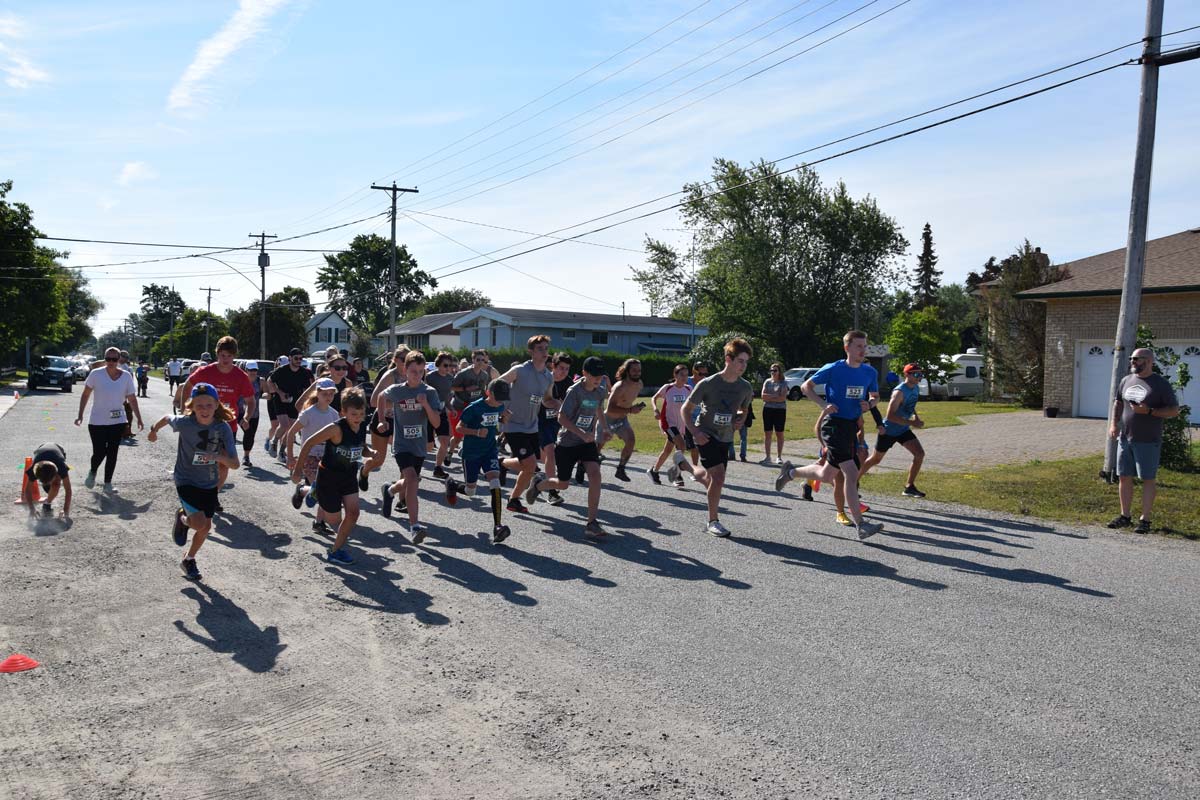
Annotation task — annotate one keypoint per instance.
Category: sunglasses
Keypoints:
(342, 368)
(774, 370)
(112, 358)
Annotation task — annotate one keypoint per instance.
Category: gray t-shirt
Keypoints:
(773, 387)
(583, 409)
(409, 418)
(1156, 392)
(473, 382)
(195, 462)
(719, 401)
(527, 392)
(441, 384)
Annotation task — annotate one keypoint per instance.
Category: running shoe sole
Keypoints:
(500, 534)
(386, 499)
(655, 476)
(784, 476)
(179, 529)
(298, 497)
(190, 570)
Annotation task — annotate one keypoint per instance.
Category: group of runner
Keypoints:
(554, 424)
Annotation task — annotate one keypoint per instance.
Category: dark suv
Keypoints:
(53, 371)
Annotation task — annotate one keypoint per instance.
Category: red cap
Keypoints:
(911, 368)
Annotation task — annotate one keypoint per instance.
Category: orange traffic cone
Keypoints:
(37, 495)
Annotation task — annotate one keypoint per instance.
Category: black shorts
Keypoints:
(689, 442)
(406, 460)
(194, 499)
(566, 457)
(443, 427)
(272, 407)
(714, 454)
(388, 423)
(884, 442)
(773, 419)
(288, 410)
(841, 439)
(332, 486)
(523, 445)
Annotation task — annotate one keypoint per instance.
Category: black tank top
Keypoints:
(337, 397)
(345, 457)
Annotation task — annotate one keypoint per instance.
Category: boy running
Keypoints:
(206, 447)
(670, 418)
(317, 415)
(413, 406)
(477, 427)
(530, 382)
(548, 426)
(621, 403)
(897, 428)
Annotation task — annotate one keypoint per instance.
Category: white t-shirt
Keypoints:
(174, 368)
(108, 396)
(311, 420)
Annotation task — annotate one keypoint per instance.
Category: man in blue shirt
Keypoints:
(851, 388)
(897, 428)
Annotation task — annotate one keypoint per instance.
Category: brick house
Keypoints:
(1081, 320)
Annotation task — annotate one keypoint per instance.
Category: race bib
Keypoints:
(855, 392)
(535, 399)
(490, 420)
(202, 459)
(722, 419)
(115, 414)
(551, 413)
(585, 422)
(414, 431)
(1136, 394)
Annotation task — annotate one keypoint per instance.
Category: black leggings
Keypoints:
(248, 434)
(106, 441)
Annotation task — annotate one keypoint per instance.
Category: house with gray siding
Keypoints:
(510, 328)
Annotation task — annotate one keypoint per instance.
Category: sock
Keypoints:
(496, 506)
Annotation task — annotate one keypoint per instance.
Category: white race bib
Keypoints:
(722, 419)
(490, 420)
(115, 414)
(535, 399)
(551, 413)
(585, 422)
(855, 392)
(202, 459)
(414, 431)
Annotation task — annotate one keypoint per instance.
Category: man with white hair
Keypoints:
(1144, 399)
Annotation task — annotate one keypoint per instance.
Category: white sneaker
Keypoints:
(717, 529)
(868, 529)
(785, 475)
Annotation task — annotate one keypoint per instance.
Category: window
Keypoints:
(492, 337)
(1096, 351)
(568, 335)
(972, 372)
(1192, 351)
(600, 337)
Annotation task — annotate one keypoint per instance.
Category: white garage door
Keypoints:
(1094, 371)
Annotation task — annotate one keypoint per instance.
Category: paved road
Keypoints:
(955, 656)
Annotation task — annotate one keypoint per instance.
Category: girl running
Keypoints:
(317, 415)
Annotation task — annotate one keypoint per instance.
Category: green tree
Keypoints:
(33, 286)
(356, 282)
(81, 306)
(287, 312)
(780, 257)
(711, 351)
(958, 308)
(927, 277)
(187, 339)
(923, 337)
(161, 307)
(448, 300)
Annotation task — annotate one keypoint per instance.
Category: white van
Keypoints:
(967, 378)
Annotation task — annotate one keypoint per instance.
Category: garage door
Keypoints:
(1094, 367)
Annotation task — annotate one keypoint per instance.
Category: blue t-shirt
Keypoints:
(847, 386)
(480, 415)
(195, 461)
(908, 407)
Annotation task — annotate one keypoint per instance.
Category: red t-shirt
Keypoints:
(230, 386)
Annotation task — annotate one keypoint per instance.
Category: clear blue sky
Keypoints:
(199, 122)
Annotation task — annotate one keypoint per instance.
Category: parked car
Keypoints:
(80, 369)
(966, 380)
(797, 376)
(53, 371)
(265, 366)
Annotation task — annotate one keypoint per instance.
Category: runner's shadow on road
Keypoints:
(230, 630)
(665, 563)
(1015, 575)
(369, 578)
(543, 566)
(918, 518)
(257, 473)
(1016, 525)
(945, 529)
(473, 577)
(240, 534)
(124, 508)
(837, 565)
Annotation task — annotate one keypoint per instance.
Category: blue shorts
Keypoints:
(548, 432)
(1138, 458)
(485, 463)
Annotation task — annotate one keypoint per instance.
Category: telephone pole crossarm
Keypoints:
(393, 190)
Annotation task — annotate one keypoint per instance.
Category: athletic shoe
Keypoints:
(554, 498)
(515, 506)
(673, 475)
(743, 458)
(179, 529)
(386, 499)
(806, 492)
(402, 505)
(1120, 521)
(1143, 526)
(190, 570)
(90, 480)
(339, 556)
(363, 481)
(620, 474)
(717, 529)
(108, 489)
(321, 528)
(912, 491)
(246, 461)
(868, 529)
(815, 484)
(267, 447)
(655, 476)
(418, 531)
(784, 476)
(500, 533)
(844, 520)
(594, 532)
(310, 497)
(298, 497)
(695, 478)
(440, 473)
(678, 483)
(863, 508)
(451, 492)
(531, 494)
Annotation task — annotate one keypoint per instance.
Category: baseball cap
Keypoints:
(205, 388)
(912, 368)
(295, 351)
(250, 365)
(325, 383)
(593, 365)
(206, 356)
(500, 390)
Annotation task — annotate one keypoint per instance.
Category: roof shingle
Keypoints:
(1172, 265)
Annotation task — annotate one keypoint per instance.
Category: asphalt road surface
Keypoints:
(959, 654)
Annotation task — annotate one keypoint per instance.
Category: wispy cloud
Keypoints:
(246, 23)
(19, 72)
(135, 171)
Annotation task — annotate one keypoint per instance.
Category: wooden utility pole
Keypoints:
(207, 318)
(264, 261)
(393, 190)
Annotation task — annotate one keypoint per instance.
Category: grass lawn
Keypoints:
(1064, 491)
(20, 377)
(801, 417)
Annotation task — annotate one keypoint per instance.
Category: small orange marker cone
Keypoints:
(17, 663)
(37, 495)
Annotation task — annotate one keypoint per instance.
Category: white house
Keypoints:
(326, 328)
(510, 328)
(429, 333)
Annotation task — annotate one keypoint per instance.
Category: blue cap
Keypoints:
(205, 388)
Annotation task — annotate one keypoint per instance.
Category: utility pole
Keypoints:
(264, 261)
(393, 190)
(206, 319)
(1139, 211)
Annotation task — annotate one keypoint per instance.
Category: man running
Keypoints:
(622, 402)
(851, 388)
(287, 383)
(529, 381)
(669, 415)
(897, 428)
(441, 379)
(413, 405)
(721, 400)
(381, 426)
(233, 389)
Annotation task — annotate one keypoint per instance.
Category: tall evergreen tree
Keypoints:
(928, 277)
